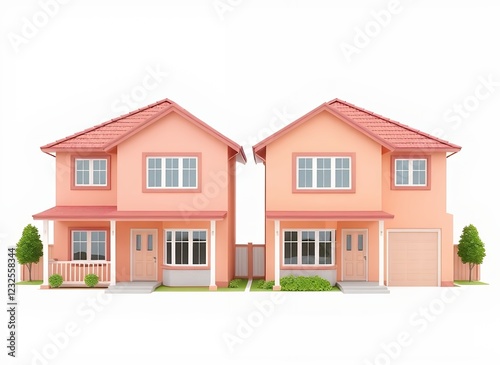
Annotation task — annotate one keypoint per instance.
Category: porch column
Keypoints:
(112, 244)
(213, 243)
(277, 285)
(381, 250)
(45, 240)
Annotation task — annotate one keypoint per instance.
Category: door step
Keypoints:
(362, 287)
(135, 287)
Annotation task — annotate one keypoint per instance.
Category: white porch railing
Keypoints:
(73, 272)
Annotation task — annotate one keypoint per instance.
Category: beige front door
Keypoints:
(144, 256)
(354, 255)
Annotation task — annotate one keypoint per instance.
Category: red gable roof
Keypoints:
(392, 135)
(106, 136)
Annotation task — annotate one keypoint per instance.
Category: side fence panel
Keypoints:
(461, 270)
(250, 261)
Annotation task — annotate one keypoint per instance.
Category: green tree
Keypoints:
(470, 248)
(29, 249)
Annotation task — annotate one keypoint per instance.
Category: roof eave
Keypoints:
(430, 149)
(259, 146)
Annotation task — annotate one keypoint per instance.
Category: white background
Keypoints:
(248, 68)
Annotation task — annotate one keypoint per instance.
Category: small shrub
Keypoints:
(304, 283)
(91, 280)
(55, 280)
(258, 283)
(268, 285)
(235, 283)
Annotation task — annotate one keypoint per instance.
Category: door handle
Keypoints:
(155, 259)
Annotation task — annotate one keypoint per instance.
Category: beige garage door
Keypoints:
(413, 258)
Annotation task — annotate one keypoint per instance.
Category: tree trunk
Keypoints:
(29, 270)
(471, 266)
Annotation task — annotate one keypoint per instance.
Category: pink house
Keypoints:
(146, 197)
(353, 196)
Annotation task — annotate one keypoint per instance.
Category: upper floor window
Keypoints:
(172, 172)
(410, 172)
(324, 173)
(91, 172)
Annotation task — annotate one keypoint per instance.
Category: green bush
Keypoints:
(91, 280)
(55, 280)
(268, 284)
(235, 283)
(262, 284)
(259, 283)
(304, 283)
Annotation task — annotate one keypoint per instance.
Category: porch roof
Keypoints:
(365, 215)
(100, 213)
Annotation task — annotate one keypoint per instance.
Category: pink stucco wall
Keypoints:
(323, 133)
(66, 194)
(172, 135)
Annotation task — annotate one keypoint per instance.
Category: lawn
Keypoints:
(240, 283)
(33, 282)
(467, 282)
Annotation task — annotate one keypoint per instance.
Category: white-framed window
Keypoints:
(324, 172)
(410, 172)
(88, 245)
(172, 172)
(91, 172)
(186, 247)
(308, 247)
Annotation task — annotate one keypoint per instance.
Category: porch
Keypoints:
(339, 246)
(124, 246)
(74, 272)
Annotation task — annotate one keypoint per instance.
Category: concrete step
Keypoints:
(366, 291)
(132, 288)
(362, 288)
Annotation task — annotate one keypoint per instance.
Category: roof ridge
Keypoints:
(418, 131)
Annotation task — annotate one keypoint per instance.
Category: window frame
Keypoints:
(317, 242)
(89, 231)
(174, 189)
(315, 156)
(410, 186)
(91, 185)
(190, 264)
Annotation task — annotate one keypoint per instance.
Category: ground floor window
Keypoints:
(186, 247)
(88, 245)
(309, 247)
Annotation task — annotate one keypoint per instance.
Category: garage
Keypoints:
(413, 258)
